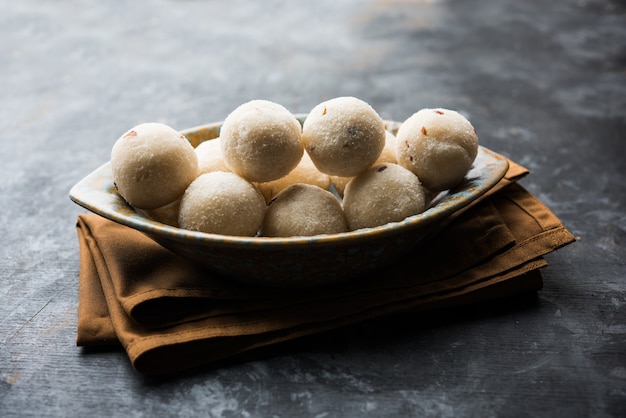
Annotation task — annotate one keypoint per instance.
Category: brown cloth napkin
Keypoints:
(170, 316)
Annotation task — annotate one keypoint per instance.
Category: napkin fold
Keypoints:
(170, 315)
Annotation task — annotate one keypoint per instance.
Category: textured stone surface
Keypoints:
(543, 83)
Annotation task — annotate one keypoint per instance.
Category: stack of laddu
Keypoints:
(268, 175)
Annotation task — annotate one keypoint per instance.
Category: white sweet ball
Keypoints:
(210, 157)
(152, 164)
(303, 210)
(222, 203)
(438, 145)
(344, 136)
(383, 193)
(261, 141)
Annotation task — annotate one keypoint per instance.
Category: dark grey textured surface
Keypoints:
(543, 82)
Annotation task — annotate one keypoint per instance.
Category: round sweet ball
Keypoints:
(384, 193)
(261, 141)
(210, 157)
(438, 145)
(305, 172)
(344, 136)
(388, 154)
(222, 203)
(303, 210)
(152, 164)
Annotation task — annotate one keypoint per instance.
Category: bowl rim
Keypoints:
(96, 193)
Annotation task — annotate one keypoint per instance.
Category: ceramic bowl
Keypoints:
(293, 261)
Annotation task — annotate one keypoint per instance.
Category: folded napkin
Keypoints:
(170, 315)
